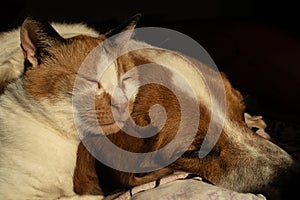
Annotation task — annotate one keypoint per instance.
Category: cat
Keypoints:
(38, 138)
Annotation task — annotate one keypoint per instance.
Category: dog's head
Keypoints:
(240, 160)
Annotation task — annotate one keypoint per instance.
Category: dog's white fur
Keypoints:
(28, 137)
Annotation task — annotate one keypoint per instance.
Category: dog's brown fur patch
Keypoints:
(85, 178)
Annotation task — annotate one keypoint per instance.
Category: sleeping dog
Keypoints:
(240, 160)
(39, 140)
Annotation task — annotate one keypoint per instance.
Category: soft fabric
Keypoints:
(181, 186)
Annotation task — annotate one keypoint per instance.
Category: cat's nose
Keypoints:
(120, 106)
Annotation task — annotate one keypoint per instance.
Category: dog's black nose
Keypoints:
(285, 186)
(290, 185)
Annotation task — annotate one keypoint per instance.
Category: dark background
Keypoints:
(283, 13)
(256, 43)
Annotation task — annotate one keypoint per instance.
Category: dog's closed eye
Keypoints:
(195, 153)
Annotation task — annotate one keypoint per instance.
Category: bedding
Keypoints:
(181, 186)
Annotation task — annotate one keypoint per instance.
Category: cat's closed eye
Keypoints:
(127, 78)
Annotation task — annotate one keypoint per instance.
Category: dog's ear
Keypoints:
(123, 32)
(36, 37)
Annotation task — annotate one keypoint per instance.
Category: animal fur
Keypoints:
(37, 136)
(39, 140)
(241, 160)
(11, 56)
(39, 151)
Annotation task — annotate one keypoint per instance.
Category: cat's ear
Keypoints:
(36, 37)
(123, 32)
